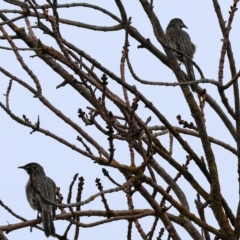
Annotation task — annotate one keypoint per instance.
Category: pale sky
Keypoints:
(18, 147)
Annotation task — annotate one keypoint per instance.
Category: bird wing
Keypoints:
(186, 46)
(32, 197)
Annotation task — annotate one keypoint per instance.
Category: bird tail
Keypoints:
(190, 73)
(48, 225)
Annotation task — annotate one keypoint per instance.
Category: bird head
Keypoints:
(33, 168)
(176, 23)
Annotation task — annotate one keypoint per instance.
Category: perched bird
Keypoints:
(39, 182)
(180, 40)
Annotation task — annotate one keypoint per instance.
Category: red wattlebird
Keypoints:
(180, 40)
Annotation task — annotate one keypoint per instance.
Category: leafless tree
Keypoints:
(118, 119)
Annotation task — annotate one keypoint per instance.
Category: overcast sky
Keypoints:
(18, 147)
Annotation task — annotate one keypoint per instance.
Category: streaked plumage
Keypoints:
(180, 40)
(46, 186)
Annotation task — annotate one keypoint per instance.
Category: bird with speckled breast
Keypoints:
(39, 183)
(180, 39)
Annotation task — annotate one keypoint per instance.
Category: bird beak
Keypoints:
(184, 26)
(23, 167)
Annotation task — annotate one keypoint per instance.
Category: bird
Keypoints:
(181, 40)
(39, 183)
